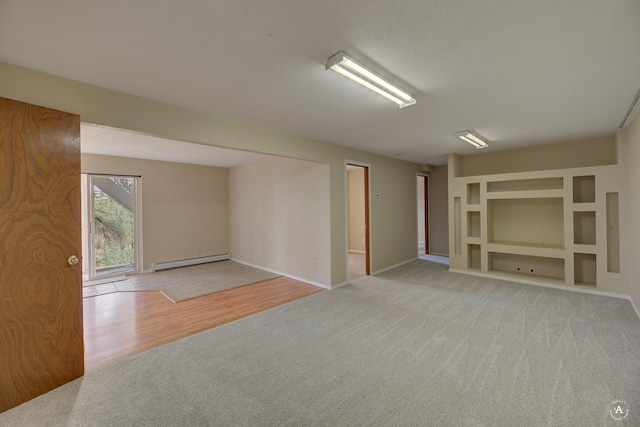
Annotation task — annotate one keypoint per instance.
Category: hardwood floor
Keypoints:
(122, 323)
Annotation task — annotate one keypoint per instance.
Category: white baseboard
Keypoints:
(352, 251)
(339, 285)
(290, 276)
(438, 254)
(157, 266)
(635, 308)
(543, 284)
(391, 267)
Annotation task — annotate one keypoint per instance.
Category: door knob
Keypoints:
(73, 260)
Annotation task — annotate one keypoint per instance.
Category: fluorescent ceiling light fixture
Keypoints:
(472, 139)
(348, 67)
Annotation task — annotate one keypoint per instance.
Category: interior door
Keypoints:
(41, 341)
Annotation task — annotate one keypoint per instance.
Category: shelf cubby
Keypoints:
(532, 267)
(474, 254)
(584, 228)
(473, 224)
(584, 266)
(473, 194)
(525, 185)
(584, 189)
(538, 222)
(457, 234)
(613, 233)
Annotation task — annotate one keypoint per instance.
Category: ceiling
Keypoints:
(116, 142)
(518, 72)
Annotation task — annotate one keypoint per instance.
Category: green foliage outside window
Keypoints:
(114, 233)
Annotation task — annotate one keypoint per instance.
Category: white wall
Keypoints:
(280, 217)
(633, 159)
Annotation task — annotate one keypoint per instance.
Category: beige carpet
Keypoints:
(181, 284)
(415, 346)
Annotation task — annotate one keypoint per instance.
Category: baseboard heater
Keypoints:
(157, 266)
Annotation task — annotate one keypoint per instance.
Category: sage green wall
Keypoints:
(393, 214)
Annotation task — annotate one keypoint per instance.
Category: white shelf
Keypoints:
(474, 241)
(585, 249)
(549, 183)
(530, 194)
(583, 207)
(523, 248)
(530, 266)
(528, 277)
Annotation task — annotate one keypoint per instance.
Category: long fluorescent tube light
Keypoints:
(472, 139)
(348, 67)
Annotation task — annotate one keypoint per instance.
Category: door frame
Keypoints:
(367, 213)
(90, 230)
(425, 178)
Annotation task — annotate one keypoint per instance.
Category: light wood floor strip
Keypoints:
(122, 323)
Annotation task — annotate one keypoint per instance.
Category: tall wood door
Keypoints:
(41, 341)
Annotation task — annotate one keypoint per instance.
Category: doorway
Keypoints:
(111, 223)
(423, 214)
(358, 237)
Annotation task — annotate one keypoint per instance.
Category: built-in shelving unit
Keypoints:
(558, 227)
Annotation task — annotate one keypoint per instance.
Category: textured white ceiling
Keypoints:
(518, 72)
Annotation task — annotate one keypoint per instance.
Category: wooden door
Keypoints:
(41, 342)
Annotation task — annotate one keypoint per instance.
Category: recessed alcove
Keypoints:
(473, 194)
(473, 224)
(541, 268)
(584, 266)
(532, 222)
(584, 228)
(584, 189)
